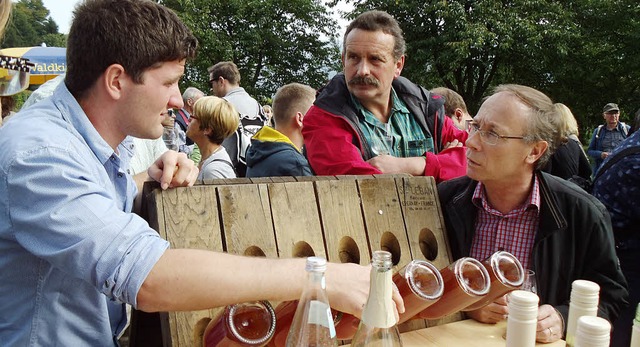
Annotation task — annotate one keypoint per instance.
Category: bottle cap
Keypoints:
(585, 292)
(523, 305)
(592, 331)
(316, 264)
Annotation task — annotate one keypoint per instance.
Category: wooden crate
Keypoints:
(342, 218)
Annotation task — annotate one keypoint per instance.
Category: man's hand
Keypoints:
(452, 144)
(173, 169)
(390, 165)
(604, 155)
(493, 313)
(550, 325)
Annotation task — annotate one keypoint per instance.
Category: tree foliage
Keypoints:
(580, 52)
(273, 42)
(31, 25)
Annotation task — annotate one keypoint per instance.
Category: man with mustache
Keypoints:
(369, 120)
(506, 203)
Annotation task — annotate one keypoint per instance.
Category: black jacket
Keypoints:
(574, 241)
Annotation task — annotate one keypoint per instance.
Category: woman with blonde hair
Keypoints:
(569, 160)
(213, 120)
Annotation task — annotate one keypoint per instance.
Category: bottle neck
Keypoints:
(379, 310)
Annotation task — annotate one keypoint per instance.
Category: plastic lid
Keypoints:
(592, 331)
(316, 264)
(583, 291)
(523, 304)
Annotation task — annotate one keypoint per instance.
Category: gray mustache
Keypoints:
(364, 80)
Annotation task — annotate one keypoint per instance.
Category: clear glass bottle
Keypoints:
(635, 330)
(583, 302)
(466, 281)
(378, 326)
(312, 324)
(506, 273)
(247, 324)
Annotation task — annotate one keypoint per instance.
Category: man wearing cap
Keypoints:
(607, 136)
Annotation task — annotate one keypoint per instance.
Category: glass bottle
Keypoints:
(593, 332)
(420, 285)
(522, 320)
(246, 324)
(312, 324)
(466, 281)
(582, 302)
(506, 274)
(378, 326)
(635, 330)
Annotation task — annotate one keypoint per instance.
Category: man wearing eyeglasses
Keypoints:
(369, 120)
(505, 203)
(606, 137)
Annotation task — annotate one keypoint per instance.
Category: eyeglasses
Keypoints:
(214, 80)
(488, 137)
(14, 74)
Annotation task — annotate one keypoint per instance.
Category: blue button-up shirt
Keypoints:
(71, 253)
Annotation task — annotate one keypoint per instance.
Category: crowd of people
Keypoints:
(73, 253)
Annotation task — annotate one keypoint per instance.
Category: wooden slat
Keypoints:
(425, 228)
(296, 220)
(342, 221)
(246, 218)
(191, 221)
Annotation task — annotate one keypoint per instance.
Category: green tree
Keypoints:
(273, 42)
(31, 25)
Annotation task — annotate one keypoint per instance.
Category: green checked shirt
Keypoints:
(401, 137)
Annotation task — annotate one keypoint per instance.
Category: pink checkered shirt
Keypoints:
(513, 232)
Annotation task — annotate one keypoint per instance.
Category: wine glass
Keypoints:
(530, 284)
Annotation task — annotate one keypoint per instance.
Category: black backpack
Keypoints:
(238, 143)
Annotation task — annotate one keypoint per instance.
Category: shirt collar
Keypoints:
(71, 112)
(479, 198)
(396, 104)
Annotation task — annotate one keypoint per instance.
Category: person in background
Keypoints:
(607, 136)
(72, 252)
(454, 106)
(369, 120)
(618, 188)
(505, 203)
(268, 113)
(278, 152)
(182, 119)
(213, 120)
(569, 159)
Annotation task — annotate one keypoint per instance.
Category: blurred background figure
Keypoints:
(213, 120)
(454, 106)
(569, 159)
(268, 112)
(607, 136)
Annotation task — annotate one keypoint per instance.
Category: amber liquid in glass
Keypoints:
(250, 324)
(465, 282)
(506, 274)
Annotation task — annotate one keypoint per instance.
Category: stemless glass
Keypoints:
(530, 284)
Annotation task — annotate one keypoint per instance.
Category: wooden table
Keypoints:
(463, 333)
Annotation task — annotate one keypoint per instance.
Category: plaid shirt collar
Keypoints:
(479, 199)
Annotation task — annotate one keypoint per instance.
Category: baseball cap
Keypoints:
(610, 107)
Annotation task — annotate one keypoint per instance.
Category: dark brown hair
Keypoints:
(375, 21)
(137, 34)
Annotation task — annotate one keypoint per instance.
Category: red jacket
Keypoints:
(335, 146)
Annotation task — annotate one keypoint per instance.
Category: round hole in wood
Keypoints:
(348, 251)
(254, 251)
(428, 244)
(302, 250)
(389, 242)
